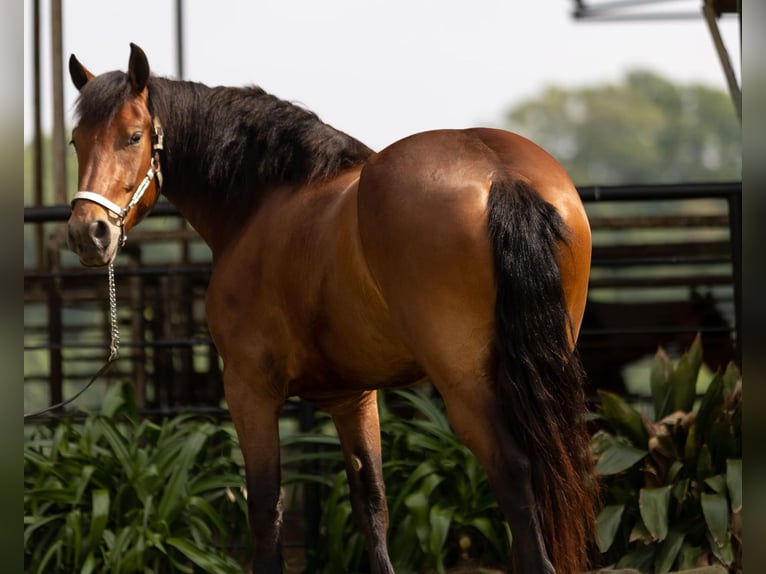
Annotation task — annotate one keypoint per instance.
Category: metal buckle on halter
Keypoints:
(159, 134)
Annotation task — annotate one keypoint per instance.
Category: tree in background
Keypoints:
(645, 129)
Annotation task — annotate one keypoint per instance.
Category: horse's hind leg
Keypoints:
(356, 419)
(478, 421)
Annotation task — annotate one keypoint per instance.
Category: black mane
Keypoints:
(226, 141)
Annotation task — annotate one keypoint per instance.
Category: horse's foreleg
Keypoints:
(359, 430)
(479, 423)
(257, 423)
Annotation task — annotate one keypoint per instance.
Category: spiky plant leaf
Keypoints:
(607, 525)
(623, 417)
(668, 551)
(654, 503)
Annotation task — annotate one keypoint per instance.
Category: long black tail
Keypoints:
(539, 377)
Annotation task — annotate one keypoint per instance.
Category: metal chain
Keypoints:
(114, 347)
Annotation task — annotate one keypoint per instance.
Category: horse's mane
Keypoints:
(228, 141)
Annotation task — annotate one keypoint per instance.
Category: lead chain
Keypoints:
(114, 347)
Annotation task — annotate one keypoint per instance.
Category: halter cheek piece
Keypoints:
(153, 172)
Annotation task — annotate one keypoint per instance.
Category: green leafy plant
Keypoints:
(117, 494)
(672, 486)
(441, 508)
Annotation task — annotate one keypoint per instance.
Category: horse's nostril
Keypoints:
(99, 232)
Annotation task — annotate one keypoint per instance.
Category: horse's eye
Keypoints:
(135, 138)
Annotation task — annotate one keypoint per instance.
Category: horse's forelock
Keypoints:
(101, 97)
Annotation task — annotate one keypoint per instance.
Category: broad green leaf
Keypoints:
(715, 508)
(668, 551)
(725, 552)
(418, 505)
(35, 523)
(89, 566)
(710, 407)
(486, 528)
(100, 514)
(118, 444)
(653, 504)
(639, 532)
(607, 525)
(75, 542)
(734, 483)
(84, 480)
(440, 519)
(641, 559)
(688, 556)
(176, 490)
(730, 379)
(113, 400)
(717, 483)
(617, 456)
(54, 552)
(623, 417)
(423, 470)
(659, 380)
(683, 385)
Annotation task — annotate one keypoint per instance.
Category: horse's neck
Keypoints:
(192, 156)
(225, 148)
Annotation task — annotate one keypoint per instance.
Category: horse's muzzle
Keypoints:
(95, 240)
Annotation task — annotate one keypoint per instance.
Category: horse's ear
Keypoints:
(79, 73)
(138, 69)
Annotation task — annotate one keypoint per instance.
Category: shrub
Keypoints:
(115, 494)
(672, 486)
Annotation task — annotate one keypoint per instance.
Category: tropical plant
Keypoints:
(672, 486)
(117, 494)
(440, 504)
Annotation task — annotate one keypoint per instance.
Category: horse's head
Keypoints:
(117, 143)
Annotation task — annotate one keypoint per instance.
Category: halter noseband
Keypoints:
(153, 172)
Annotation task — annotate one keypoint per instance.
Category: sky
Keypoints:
(381, 70)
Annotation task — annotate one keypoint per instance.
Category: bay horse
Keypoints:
(458, 255)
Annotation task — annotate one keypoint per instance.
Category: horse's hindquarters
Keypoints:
(422, 221)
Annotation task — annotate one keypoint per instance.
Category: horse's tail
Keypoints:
(539, 378)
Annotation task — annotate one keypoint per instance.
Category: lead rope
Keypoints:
(114, 348)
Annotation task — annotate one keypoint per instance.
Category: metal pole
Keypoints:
(180, 39)
(37, 144)
(59, 138)
(723, 56)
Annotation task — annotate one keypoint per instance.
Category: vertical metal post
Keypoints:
(180, 39)
(59, 138)
(37, 144)
(55, 325)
